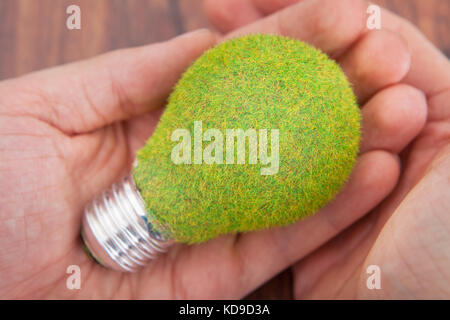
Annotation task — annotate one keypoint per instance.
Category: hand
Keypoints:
(407, 235)
(69, 132)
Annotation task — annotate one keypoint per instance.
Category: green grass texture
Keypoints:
(252, 82)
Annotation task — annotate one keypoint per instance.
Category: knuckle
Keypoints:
(218, 12)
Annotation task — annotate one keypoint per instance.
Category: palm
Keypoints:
(44, 241)
(44, 238)
(37, 232)
(410, 250)
(58, 151)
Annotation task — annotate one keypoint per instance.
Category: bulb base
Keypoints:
(116, 229)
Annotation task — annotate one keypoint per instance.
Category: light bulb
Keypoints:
(260, 131)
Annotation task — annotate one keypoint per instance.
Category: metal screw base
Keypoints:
(116, 230)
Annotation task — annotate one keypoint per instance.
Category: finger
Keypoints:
(88, 95)
(100, 158)
(227, 15)
(430, 69)
(393, 118)
(329, 271)
(265, 253)
(329, 25)
(270, 6)
(439, 106)
(378, 59)
(140, 128)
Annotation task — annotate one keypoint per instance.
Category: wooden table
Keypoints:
(33, 35)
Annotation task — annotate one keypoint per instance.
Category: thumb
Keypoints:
(87, 95)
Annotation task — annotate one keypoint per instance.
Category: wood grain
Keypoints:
(33, 35)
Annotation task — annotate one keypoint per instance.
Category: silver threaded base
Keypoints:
(116, 230)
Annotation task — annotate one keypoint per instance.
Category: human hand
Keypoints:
(66, 134)
(69, 132)
(407, 235)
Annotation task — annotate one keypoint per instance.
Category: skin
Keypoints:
(407, 235)
(69, 132)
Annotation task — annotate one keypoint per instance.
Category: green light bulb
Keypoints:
(260, 131)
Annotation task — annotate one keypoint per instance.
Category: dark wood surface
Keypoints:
(33, 35)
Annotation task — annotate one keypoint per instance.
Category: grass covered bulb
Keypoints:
(253, 83)
(260, 131)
